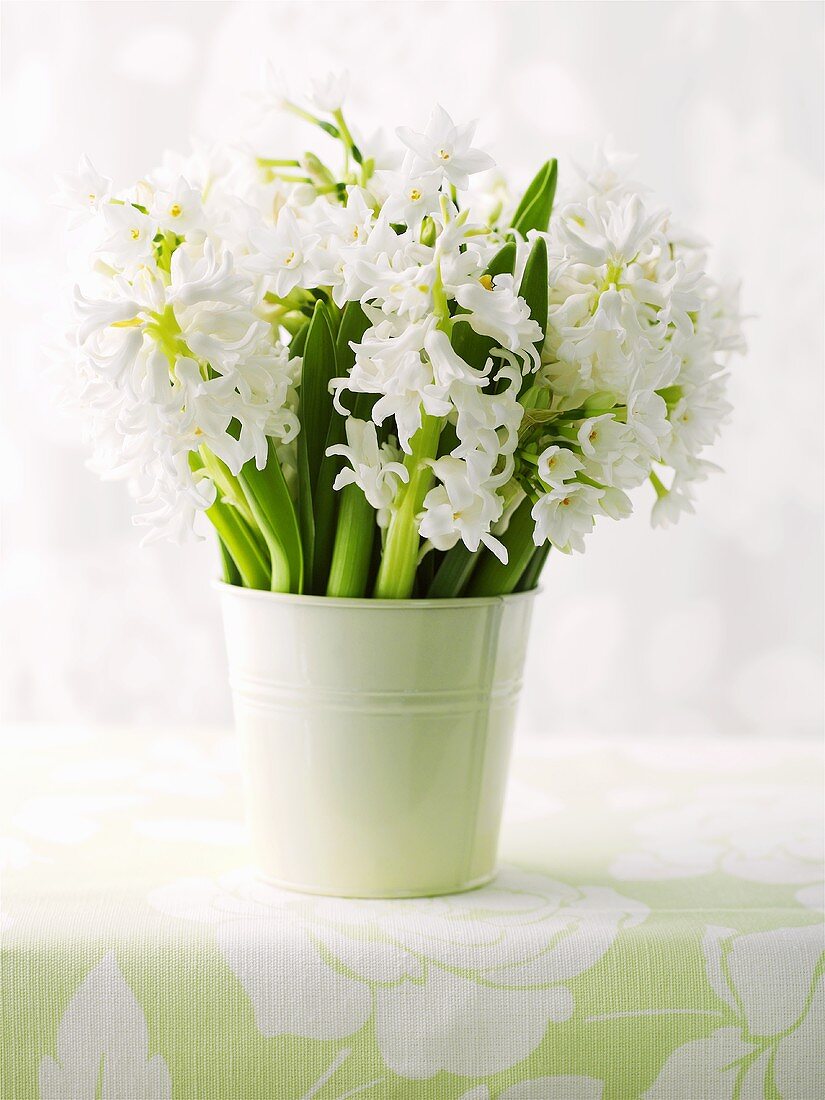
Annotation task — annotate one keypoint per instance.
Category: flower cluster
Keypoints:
(381, 331)
(175, 355)
(633, 363)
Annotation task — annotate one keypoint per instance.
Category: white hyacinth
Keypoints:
(462, 403)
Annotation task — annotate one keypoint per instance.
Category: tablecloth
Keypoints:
(655, 932)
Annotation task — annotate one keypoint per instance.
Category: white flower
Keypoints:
(448, 367)
(564, 516)
(609, 233)
(486, 422)
(615, 503)
(177, 333)
(83, 192)
(446, 148)
(461, 508)
(497, 311)
(329, 93)
(95, 314)
(696, 420)
(349, 224)
(169, 361)
(647, 421)
(377, 471)
(608, 175)
(179, 209)
(203, 276)
(558, 465)
(343, 231)
(130, 236)
(394, 270)
(671, 505)
(612, 454)
(392, 366)
(282, 253)
(409, 199)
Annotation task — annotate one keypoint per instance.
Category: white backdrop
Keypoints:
(715, 625)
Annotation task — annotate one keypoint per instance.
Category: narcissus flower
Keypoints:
(83, 192)
(446, 148)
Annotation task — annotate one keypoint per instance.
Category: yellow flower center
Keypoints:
(289, 258)
(486, 281)
(566, 502)
(415, 195)
(356, 232)
(175, 210)
(443, 154)
(135, 234)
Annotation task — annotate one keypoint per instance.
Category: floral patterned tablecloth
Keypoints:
(655, 932)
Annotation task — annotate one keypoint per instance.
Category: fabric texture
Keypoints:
(655, 932)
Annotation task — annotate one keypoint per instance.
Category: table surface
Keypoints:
(655, 932)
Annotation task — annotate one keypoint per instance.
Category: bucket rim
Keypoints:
(234, 591)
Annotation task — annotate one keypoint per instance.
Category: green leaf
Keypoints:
(268, 497)
(534, 286)
(454, 573)
(354, 537)
(318, 370)
(491, 577)
(316, 412)
(344, 524)
(536, 206)
(298, 342)
(354, 323)
(230, 571)
(241, 545)
(531, 575)
(504, 261)
(326, 501)
(242, 554)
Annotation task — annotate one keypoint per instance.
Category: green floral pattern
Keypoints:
(655, 933)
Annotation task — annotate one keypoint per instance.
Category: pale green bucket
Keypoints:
(376, 736)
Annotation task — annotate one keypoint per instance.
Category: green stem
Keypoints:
(491, 577)
(239, 542)
(243, 557)
(229, 569)
(271, 505)
(453, 573)
(348, 141)
(531, 575)
(352, 552)
(227, 484)
(396, 574)
(661, 490)
(327, 127)
(290, 177)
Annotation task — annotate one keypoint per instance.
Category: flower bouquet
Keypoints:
(391, 390)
